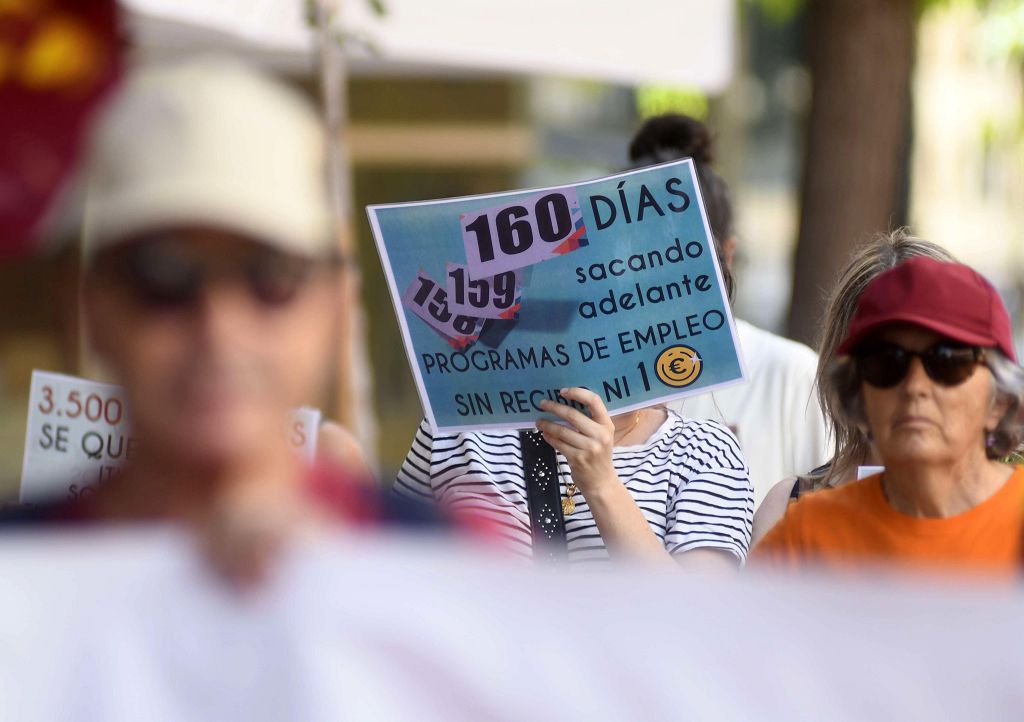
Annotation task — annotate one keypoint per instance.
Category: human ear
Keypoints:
(998, 408)
(729, 252)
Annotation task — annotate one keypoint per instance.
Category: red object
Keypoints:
(950, 299)
(343, 497)
(361, 503)
(58, 59)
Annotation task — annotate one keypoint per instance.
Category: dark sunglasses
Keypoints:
(884, 365)
(163, 277)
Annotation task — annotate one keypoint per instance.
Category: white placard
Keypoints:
(302, 429)
(79, 433)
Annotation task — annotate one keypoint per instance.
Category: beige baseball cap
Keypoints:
(209, 142)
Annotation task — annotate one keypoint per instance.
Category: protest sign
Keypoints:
(79, 433)
(505, 299)
(77, 436)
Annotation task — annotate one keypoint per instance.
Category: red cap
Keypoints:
(950, 299)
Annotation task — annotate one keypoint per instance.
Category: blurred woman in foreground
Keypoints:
(928, 371)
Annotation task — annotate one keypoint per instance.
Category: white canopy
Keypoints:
(684, 42)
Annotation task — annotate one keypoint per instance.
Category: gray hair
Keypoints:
(881, 253)
(1009, 388)
(843, 386)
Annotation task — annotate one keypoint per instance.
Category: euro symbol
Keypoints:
(678, 366)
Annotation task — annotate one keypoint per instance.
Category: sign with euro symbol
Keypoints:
(505, 299)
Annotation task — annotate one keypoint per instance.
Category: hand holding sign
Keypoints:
(585, 441)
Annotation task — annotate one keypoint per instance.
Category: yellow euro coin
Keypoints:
(678, 366)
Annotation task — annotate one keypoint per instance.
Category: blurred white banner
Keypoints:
(681, 42)
(130, 626)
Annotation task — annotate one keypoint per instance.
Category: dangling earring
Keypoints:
(990, 439)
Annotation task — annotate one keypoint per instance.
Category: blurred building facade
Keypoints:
(967, 190)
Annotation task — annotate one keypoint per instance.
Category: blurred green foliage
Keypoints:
(1002, 33)
(654, 100)
(1012, 10)
(778, 10)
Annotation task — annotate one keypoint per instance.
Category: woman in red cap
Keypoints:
(929, 371)
(852, 453)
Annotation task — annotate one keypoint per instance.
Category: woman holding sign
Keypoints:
(646, 484)
(780, 429)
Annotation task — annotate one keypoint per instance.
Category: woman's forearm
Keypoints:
(623, 527)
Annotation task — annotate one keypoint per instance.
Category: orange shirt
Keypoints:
(854, 525)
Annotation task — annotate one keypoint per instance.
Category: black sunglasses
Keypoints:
(884, 365)
(162, 277)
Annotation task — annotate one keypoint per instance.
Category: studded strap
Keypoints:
(544, 498)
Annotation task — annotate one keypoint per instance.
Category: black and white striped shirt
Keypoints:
(689, 480)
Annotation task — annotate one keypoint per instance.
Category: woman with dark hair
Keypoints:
(928, 371)
(666, 138)
(778, 425)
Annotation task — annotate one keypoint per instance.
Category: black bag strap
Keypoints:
(543, 497)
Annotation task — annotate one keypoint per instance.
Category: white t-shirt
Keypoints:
(688, 479)
(775, 415)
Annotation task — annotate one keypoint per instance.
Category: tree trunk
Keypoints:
(861, 56)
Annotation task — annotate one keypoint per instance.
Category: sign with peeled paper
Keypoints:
(505, 299)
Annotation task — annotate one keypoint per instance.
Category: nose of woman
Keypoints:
(917, 380)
